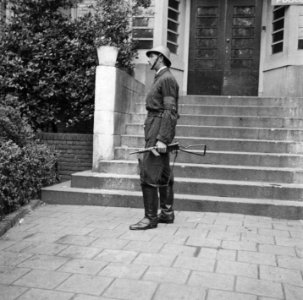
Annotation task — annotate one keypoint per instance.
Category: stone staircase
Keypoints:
(254, 162)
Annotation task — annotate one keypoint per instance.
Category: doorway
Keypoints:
(224, 50)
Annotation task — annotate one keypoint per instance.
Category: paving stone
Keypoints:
(218, 254)
(116, 256)
(83, 266)
(138, 235)
(299, 252)
(109, 243)
(75, 230)
(211, 227)
(277, 250)
(106, 233)
(223, 295)
(45, 262)
(10, 274)
(166, 274)
(79, 252)
(88, 297)
(260, 224)
(274, 232)
(77, 240)
(194, 263)
(259, 287)
(182, 250)
(281, 275)
(290, 262)
(33, 294)
(11, 292)
(244, 229)
(121, 270)
(256, 258)
(203, 242)
(187, 232)
(237, 268)
(297, 234)
(289, 242)
(85, 284)
(253, 237)
(242, 245)
(293, 292)
(131, 289)
(266, 298)
(12, 259)
(285, 226)
(169, 291)
(42, 279)
(171, 239)
(4, 244)
(20, 246)
(153, 259)
(142, 246)
(223, 235)
(166, 230)
(48, 249)
(212, 280)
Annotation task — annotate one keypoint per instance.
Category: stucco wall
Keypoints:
(284, 82)
(281, 73)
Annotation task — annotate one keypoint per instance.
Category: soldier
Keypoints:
(159, 130)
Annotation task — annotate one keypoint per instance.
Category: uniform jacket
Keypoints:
(162, 101)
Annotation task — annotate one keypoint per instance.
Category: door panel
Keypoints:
(224, 47)
(205, 39)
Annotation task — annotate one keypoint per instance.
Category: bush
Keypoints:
(48, 60)
(25, 164)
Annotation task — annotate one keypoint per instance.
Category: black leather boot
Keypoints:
(166, 204)
(150, 199)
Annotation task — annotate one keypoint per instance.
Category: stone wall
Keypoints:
(75, 151)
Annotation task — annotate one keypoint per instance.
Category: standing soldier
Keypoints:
(159, 130)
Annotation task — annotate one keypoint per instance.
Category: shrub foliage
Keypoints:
(26, 165)
(48, 60)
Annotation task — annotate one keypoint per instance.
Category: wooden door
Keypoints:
(224, 47)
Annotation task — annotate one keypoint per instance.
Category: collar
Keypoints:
(162, 68)
(160, 72)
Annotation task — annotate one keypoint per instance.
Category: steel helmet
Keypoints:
(161, 50)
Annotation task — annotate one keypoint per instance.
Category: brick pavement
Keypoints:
(88, 253)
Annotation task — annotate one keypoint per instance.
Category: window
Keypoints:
(278, 29)
(173, 25)
(300, 37)
(143, 26)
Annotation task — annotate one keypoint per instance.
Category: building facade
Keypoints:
(227, 47)
(224, 47)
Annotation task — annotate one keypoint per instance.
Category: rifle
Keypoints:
(175, 147)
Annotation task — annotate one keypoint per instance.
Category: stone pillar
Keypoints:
(104, 118)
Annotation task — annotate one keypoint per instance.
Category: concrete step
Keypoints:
(226, 144)
(233, 121)
(194, 186)
(271, 111)
(241, 100)
(64, 194)
(228, 158)
(243, 173)
(231, 132)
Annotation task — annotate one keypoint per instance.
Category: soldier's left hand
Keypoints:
(161, 147)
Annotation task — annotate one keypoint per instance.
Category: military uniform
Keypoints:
(159, 126)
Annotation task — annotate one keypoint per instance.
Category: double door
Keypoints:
(224, 50)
